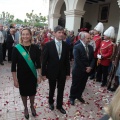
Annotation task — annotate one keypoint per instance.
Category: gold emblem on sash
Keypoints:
(23, 53)
(29, 58)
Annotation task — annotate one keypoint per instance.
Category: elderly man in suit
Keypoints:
(1, 42)
(4, 42)
(10, 43)
(83, 64)
(71, 39)
(56, 67)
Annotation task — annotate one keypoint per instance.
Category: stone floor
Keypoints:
(11, 107)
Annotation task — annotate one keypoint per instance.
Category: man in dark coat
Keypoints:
(83, 63)
(10, 43)
(56, 67)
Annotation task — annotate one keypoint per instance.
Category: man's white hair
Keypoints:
(82, 35)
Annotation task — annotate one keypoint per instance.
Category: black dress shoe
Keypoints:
(51, 106)
(72, 101)
(2, 63)
(62, 110)
(81, 100)
(103, 85)
(33, 111)
(26, 113)
(112, 89)
(92, 78)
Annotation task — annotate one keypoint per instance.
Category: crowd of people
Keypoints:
(94, 54)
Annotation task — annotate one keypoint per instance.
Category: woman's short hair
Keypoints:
(29, 30)
(113, 109)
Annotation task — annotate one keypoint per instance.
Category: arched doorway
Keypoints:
(62, 19)
(57, 13)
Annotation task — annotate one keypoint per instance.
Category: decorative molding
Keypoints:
(75, 13)
(54, 15)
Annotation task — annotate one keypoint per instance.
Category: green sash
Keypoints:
(26, 57)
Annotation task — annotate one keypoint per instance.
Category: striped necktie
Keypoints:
(87, 51)
(59, 48)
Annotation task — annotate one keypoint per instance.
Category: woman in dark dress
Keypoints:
(24, 77)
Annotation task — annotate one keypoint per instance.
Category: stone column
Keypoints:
(118, 36)
(73, 19)
(53, 20)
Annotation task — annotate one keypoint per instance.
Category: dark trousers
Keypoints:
(93, 72)
(1, 54)
(10, 53)
(60, 84)
(78, 85)
(102, 71)
(4, 50)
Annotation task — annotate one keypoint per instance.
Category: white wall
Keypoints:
(92, 11)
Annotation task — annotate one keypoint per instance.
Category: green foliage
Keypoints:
(18, 21)
(34, 19)
(6, 17)
(37, 24)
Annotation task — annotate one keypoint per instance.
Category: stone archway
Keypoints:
(74, 14)
(56, 6)
(62, 19)
(55, 12)
(118, 36)
(79, 4)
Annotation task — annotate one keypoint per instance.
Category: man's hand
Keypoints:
(44, 78)
(67, 77)
(16, 84)
(88, 69)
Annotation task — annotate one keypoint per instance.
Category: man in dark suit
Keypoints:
(56, 67)
(10, 43)
(71, 38)
(83, 63)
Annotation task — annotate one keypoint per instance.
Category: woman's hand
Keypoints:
(16, 84)
(39, 80)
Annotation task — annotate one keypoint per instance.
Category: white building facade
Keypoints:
(73, 13)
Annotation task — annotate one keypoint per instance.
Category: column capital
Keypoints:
(118, 3)
(55, 15)
(74, 13)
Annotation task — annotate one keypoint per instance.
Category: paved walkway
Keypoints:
(11, 107)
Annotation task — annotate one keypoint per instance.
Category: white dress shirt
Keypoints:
(1, 37)
(58, 47)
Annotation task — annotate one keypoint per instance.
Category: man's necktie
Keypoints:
(87, 51)
(59, 49)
